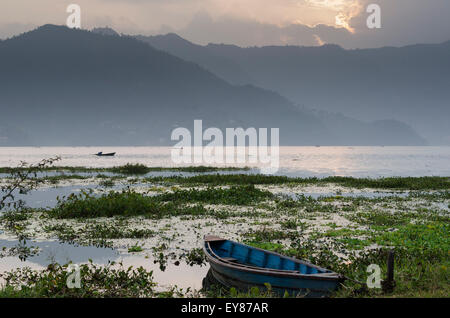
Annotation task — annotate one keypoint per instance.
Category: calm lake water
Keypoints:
(294, 161)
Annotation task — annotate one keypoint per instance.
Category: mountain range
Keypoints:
(67, 87)
(408, 83)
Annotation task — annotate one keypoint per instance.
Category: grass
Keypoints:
(390, 183)
(126, 203)
(126, 169)
(402, 183)
(267, 235)
(382, 218)
(290, 224)
(135, 249)
(423, 258)
(90, 232)
(421, 263)
(235, 195)
(131, 169)
(393, 183)
(130, 203)
(106, 183)
(430, 240)
(97, 281)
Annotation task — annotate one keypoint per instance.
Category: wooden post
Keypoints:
(389, 283)
(390, 266)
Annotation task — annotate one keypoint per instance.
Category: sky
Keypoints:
(246, 22)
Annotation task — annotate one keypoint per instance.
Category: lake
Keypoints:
(294, 161)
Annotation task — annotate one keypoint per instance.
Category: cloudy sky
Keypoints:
(246, 22)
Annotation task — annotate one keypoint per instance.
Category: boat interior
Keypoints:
(232, 252)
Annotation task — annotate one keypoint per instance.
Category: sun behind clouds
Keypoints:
(345, 10)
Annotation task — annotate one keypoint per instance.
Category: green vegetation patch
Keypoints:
(135, 249)
(125, 169)
(236, 195)
(131, 169)
(67, 233)
(394, 183)
(125, 203)
(431, 240)
(382, 218)
(403, 183)
(130, 203)
(96, 281)
(268, 235)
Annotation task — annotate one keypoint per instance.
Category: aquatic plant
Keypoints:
(131, 169)
(131, 203)
(394, 183)
(195, 256)
(135, 249)
(96, 281)
(107, 183)
(235, 195)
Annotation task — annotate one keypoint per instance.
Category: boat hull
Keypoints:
(236, 265)
(244, 281)
(106, 154)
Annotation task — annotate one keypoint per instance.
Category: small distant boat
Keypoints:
(238, 265)
(101, 154)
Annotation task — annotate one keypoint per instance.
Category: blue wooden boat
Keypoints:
(238, 265)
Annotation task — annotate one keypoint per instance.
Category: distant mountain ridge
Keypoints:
(407, 83)
(105, 31)
(219, 65)
(61, 86)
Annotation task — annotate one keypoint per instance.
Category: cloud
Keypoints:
(404, 22)
(203, 29)
(345, 10)
(247, 22)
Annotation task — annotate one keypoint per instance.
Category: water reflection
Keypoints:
(53, 251)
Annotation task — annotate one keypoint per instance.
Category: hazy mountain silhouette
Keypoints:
(407, 83)
(105, 31)
(71, 87)
(221, 66)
